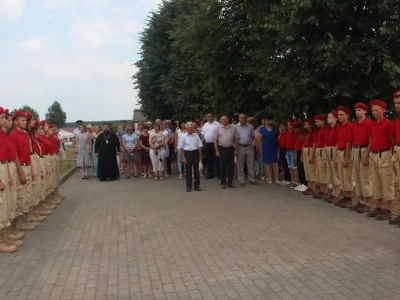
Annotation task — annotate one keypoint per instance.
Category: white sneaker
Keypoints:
(303, 188)
(297, 187)
(166, 175)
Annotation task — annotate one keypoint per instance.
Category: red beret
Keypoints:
(334, 112)
(291, 121)
(396, 94)
(2, 110)
(18, 113)
(43, 122)
(378, 103)
(344, 109)
(309, 120)
(296, 124)
(7, 111)
(28, 115)
(361, 105)
(320, 117)
(51, 125)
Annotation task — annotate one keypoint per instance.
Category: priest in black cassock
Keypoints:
(107, 147)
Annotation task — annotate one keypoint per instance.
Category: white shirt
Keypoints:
(76, 132)
(190, 142)
(208, 131)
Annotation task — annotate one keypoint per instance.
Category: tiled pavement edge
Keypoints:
(140, 239)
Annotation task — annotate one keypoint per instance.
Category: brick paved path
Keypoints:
(152, 240)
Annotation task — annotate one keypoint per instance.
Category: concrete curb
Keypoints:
(67, 175)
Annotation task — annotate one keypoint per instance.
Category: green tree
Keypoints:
(56, 114)
(34, 112)
(282, 57)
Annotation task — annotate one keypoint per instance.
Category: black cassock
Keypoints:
(107, 144)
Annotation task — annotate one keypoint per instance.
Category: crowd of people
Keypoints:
(29, 175)
(327, 157)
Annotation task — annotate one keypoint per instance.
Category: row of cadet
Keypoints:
(29, 175)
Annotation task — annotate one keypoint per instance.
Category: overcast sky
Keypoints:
(78, 52)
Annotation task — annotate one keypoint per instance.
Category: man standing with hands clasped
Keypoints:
(190, 146)
(226, 145)
(246, 150)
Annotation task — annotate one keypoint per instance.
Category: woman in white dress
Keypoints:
(83, 150)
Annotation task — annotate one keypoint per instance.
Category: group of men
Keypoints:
(363, 152)
(222, 142)
(29, 175)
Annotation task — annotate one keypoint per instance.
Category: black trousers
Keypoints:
(211, 159)
(226, 164)
(300, 169)
(169, 158)
(192, 164)
(282, 158)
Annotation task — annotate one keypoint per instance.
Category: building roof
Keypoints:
(69, 129)
(138, 116)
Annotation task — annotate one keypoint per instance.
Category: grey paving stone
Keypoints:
(265, 242)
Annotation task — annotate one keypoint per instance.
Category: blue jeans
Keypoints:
(292, 163)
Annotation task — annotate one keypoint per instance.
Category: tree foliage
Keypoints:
(56, 114)
(283, 57)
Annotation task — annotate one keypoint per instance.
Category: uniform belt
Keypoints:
(319, 147)
(244, 145)
(25, 164)
(307, 147)
(360, 146)
(31, 153)
(397, 144)
(3, 162)
(41, 156)
(11, 161)
(342, 149)
(381, 150)
(290, 149)
(225, 147)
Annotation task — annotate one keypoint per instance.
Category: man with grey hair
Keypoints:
(245, 150)
(190, 146)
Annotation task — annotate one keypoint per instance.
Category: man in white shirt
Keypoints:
(76, 131)
(190, 146)
(209, 151)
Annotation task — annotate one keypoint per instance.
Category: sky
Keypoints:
(78, 52)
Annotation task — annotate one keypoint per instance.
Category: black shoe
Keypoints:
(197, 188)
(188, 190)
(209, 176)
(102, 179)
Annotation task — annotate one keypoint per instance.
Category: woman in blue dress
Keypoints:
(270, 148)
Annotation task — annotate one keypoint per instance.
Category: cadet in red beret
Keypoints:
(361, 159)
(291, 153)
(282, 140)
(320, 157)
(331, 154)
(308, 156)
(5, 245)
(13, 233)
(344, 143)
(396, 154)
(24, 168)
(382, 140)
(34, 216)
(299, 136)
(50, 202)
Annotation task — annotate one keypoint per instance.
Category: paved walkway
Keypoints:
(140, 239)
